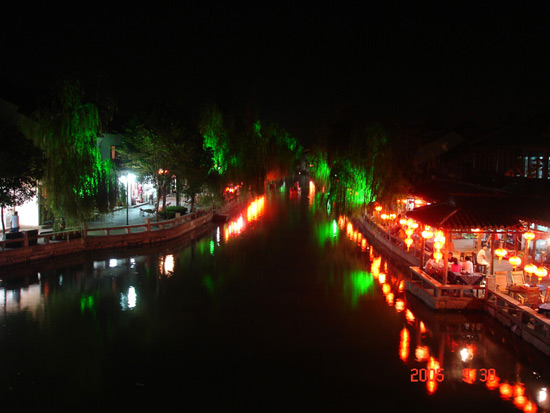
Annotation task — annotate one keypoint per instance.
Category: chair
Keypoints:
(501, 279)
(518, 278)
(491, 282)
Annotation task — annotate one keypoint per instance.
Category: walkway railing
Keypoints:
(438, 290)
(31, 238)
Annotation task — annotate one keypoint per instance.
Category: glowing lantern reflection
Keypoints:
(404, 345)
(505, 391)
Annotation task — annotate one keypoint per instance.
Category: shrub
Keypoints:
(170, 212)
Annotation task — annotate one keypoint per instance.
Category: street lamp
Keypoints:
(126, 180)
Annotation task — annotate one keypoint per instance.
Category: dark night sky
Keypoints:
(296, 61)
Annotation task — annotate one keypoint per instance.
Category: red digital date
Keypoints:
(424, 375)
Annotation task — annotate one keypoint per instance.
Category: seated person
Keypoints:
(482, 257)
(455, 265)
(467, 266)
(431, 265)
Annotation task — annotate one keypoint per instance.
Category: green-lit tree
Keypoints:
(20, 168)
(77, 182)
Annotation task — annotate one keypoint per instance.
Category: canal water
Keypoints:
(282, 308)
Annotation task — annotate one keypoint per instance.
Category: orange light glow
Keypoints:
(378, 208)
(469, 376)
(530, 407)
(427, 234)
(409, 316)
(404, 345)
(399, 305)
(492, 382)
(520, 401)
(519, 390)
(541, 272)
(363, 244)
(515, 261)
(505, 391)
(382, 278)
(438, 255)
(431, 384)
(409, 242)
(386, 288)
(401, 287)
(422, 328)
(530, 268)
(375, 266)
(389, 299)
(501, 253)
(422, 353)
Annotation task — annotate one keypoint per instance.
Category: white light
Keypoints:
(112, 263)
(131, 178)
(122, 179)
(218, 236)
(542, 395)
(60, 280)
(132, 297)
(464, 354)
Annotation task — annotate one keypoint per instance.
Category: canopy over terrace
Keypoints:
(476, 214)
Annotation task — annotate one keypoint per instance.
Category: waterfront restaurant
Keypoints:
(499, 221)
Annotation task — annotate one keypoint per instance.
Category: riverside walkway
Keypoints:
(106, 232)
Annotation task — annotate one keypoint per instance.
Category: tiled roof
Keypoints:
(465, 213)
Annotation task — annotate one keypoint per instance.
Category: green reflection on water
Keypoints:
(211, 247)
(327, 232)
(86, 302)
(358, 283)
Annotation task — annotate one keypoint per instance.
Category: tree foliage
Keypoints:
(20, 168)
(77, 182)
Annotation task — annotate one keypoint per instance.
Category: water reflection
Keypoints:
(238, 308)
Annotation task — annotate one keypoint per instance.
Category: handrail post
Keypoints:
(25, 238)
(148, 222)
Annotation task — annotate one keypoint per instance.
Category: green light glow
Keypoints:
(208, 283)
(325, 233)
(212, 244)
(357, 284)
(86, 302)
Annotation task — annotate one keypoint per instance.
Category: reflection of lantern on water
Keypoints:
(422, 353)
(422, 328)
(389, 299)
(399, 305)
(520, 401)
(409, 316)
(433, 368)
(401, 287)
(469, 376)
(375, 266)
(382, 278)
(386, 288)
(505, 391)
(404, 345)
(363, 244)
(530, 407)
(492, 381)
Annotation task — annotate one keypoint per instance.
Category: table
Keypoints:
(466, 279)
(515, 291)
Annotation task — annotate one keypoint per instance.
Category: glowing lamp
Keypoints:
(541, 272)
(414, 225)
(515, 261)
(409, 231)
(530, 268)
(409, 242)
(378, 208)
(402, 221)
(438, 255)
(426, 234)
(384, 216)
(500, 252)
(528, 236)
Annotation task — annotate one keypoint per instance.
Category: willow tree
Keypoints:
(20, 168)
(77, 183)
